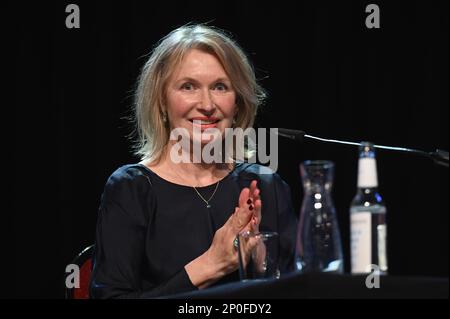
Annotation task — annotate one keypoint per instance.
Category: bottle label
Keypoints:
(382, 256)
(361, 244)
(367, 173)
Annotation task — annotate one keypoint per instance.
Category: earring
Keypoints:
(164, 117)
(234, 121)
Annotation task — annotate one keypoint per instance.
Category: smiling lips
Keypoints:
(205, 122)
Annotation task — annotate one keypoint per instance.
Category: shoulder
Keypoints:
(128, 198)
(128, 172)
(130, 179)
(254, 168)
(259, 172)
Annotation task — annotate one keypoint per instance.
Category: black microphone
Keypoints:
(439, 157)
(295, 135)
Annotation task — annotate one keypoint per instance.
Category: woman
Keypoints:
(165, 226)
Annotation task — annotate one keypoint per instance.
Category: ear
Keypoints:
(163, 112)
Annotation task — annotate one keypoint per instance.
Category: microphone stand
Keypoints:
(439, 157)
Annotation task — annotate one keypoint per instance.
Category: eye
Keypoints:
(220, 86)
(188, 86)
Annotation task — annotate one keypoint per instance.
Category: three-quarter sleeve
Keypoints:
(120, 252)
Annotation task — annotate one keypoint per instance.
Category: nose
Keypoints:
(207, 104)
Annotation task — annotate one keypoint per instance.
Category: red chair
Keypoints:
(84, 262)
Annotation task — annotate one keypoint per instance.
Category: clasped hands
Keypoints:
(245, 218)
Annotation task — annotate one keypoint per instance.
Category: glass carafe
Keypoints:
(319, 247)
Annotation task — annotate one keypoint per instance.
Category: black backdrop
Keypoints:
(325, 72)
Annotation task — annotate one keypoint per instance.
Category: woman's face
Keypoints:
(200, 96)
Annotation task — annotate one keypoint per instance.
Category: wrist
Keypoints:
(204, 270)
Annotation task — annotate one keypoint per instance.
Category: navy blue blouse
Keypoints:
(149, 228)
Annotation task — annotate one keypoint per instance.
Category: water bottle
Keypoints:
(368, 218)
(318, 246)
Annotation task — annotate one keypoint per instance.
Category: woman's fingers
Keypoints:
(257, 211)
(245, 218)
(240, 219)
(244, 197)
(254, 191)
(254, 201)
(253, 186)
(256, 194)
(249, 208)
(253, 194)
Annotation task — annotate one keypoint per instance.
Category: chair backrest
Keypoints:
(84, 262)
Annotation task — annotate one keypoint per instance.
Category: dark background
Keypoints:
(325, 73)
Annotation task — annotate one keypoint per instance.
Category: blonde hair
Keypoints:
(153, 132)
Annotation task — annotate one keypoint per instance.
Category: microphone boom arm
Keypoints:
(439, 157)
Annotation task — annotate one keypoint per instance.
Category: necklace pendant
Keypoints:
(208, 206)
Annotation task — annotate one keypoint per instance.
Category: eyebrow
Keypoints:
(189, 79)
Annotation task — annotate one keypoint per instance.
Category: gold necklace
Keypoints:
(203, 199)
(208, 205)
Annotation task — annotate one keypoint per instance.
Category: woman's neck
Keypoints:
(194, 174)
